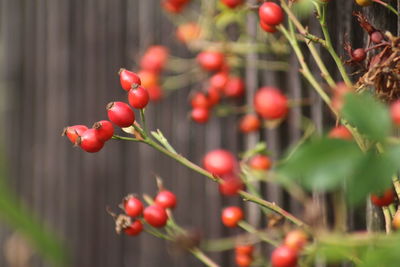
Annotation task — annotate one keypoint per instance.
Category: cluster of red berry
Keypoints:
(121, 114)
(287, 254)
(174, 6)
(223, 164)
(268, 102)
(152, 64)
(220, 84)
(244, 255)
(271, 15)
(155, 215)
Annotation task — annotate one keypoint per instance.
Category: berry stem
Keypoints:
(388, 6)
(143, 119)
(311, 47)
(272, 206)
(305, 69)
(396, 184)
(260, 234)
(388, 219)
(125, 138)
(156, 233)
(329, 46)
(203, 257)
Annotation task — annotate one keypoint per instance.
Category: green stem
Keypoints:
(305, 69)
(181, 160)
(396, 184)
(324, 71)
(249, 228)
(143, 119)
(203, 257)
(157, 233)
(118, 137)
(329, 46)
(272, 206)
(388, 219)
(392, 210)
(388, 6)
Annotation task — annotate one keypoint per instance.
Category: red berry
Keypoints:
(133, 206)
(128, 79)
(244, 249)
(249, 123)
(230, 185)
(120, 113)
(340, 132)
(211, 60)
(231, 216)
(243, 260)
(232, 3)
(135, 228)
(267, 27)
(154, 58)
(395, 112)
(155, 93)
(104, 130)
(188, 32)
(200, 115)
(138, 97)
(270, 103)
(383, 200)
(358, 54)
(200, 100)
(234, 87)
(73, 132)
(148, 78)
(213, 96)
(172, 8)
(155, 216)
(284, 256)
(219, 162)
(166, 199)
(376, 37)
(260, 162)
(89, 142)
(271, 13)
(296, 239)
(219, 80)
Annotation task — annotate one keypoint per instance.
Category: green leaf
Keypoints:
(322, 164)
(372, 175)
(368, 115)
(363, 250)
(382, 255)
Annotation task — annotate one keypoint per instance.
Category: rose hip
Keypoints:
(73, 132)
(219, 162)
(120, 113)
(138, 97)
(270, 103)
(89, 141)
(128, 79)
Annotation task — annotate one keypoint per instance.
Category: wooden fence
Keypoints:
(59, 67)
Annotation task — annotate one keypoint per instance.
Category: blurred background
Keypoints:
(59, 62)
